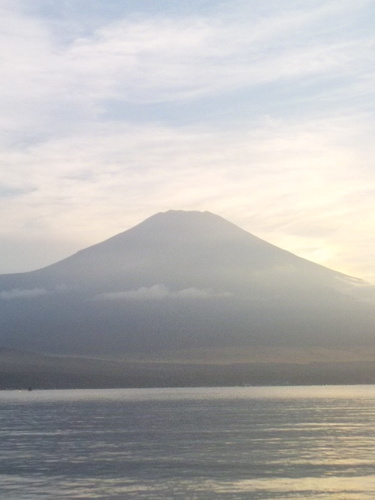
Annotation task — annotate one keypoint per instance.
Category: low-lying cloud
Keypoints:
(18, 293)
(160, 292)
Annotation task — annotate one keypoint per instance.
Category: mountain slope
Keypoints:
(180, 282)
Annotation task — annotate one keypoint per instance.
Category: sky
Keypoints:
(260, 111)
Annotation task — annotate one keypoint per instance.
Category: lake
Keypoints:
(204, 443)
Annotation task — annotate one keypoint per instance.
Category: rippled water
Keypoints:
(234, 443)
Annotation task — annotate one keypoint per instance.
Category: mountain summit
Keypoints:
(181, 282)
(181, 249)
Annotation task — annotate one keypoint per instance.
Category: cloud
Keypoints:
(160, 292)
(50, 87)
(166, 59)
(30, 293)
(18, 293)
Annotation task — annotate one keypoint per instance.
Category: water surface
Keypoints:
(206, 443)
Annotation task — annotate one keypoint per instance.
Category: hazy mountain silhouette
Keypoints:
(182, 282)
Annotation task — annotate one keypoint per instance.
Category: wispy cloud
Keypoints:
(143, 59)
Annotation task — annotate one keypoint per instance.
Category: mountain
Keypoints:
(187, 287)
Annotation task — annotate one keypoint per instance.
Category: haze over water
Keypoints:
(207, 443)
